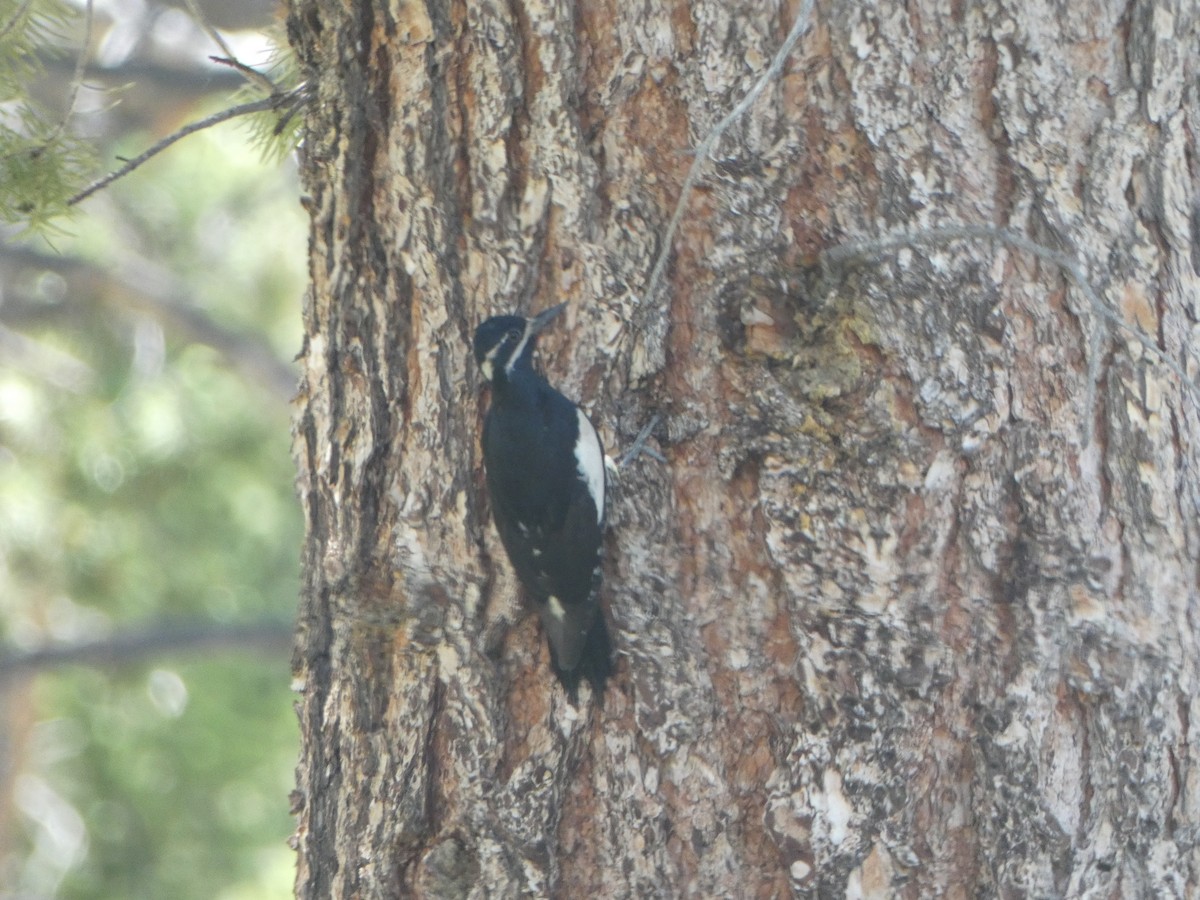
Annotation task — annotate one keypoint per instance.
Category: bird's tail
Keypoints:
(593, 661)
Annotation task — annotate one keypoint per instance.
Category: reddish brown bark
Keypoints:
(889, 624)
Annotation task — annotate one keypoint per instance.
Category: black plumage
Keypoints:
(546, 482)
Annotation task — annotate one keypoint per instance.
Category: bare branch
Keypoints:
(265, 83)
(135, 645)
(639, 445)
(194, 81)
(710, 141)
(865, 249)
(139, 284)
(229, 59)
(248, 72)
(18, 351)
(224, 115)
(213, 34)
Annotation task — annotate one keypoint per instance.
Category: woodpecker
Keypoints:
(546, 480)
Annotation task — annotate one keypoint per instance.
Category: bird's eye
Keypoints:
(514, 333)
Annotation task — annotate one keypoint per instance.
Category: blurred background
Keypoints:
(149, 532)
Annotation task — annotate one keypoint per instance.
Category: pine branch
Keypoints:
(14, 19)
(76, 78)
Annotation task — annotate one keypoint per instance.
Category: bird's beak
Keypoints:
(544, 318)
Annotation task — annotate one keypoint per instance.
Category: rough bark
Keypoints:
(889, 623)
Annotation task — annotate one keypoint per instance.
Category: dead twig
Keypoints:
(710, 141)
(863, 249)
(286, 102)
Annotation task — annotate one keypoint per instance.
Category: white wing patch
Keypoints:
(556, 608)
(589, 459)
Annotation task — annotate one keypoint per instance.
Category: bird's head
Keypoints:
(504, 342)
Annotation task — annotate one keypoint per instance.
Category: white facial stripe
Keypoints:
(589, 459)
(488, 366)
(516, 354)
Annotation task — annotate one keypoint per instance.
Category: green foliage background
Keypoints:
(158, 487)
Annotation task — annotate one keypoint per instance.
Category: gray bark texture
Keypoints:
(912, 607)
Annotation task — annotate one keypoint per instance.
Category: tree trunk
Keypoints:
(912, 607)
